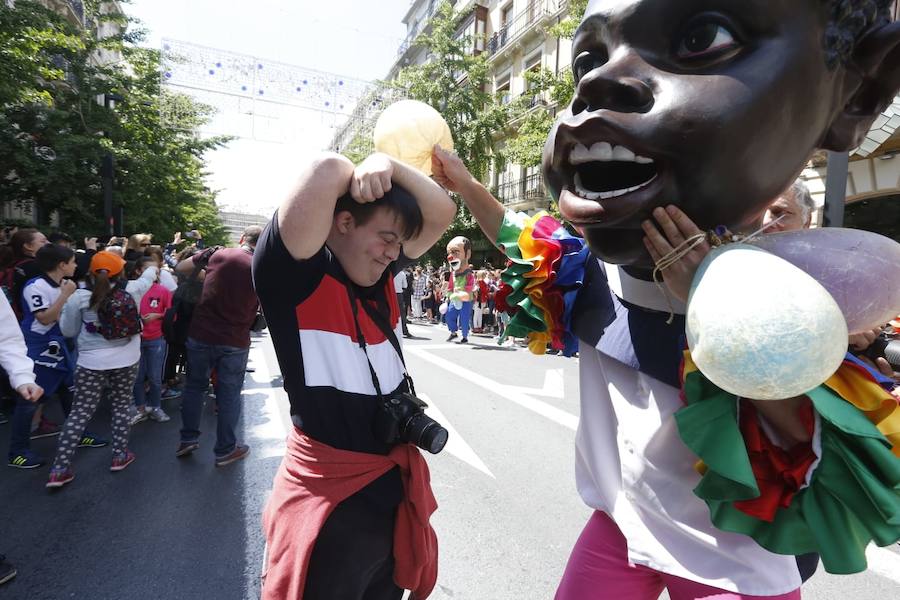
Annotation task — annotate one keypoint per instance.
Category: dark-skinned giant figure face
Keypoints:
(712, 105)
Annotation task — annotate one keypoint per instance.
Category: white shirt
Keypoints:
(13, 353)
(400, 282)
(631, 464)
(40, 295)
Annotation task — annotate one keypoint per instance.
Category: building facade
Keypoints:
(235, 223)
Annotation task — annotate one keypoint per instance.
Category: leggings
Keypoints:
(598, 569)
(89, 386)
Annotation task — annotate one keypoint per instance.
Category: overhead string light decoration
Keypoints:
(255, 97)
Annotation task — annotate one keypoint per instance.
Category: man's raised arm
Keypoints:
(304, 218)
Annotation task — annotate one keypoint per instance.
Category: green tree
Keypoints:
(54, 135)
(453, 80)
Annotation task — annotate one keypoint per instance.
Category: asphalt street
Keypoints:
(169, 528)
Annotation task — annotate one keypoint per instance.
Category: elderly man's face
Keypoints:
(711, 105)
(793, 215)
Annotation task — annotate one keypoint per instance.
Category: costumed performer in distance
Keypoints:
(688, 112)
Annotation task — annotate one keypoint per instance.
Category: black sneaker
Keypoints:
(7, 571)
(465, 340)
(185, 448)
(26, 460)
(239, 452)
(91, 441)
(452, 337)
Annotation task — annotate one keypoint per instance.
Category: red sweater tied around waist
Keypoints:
(312, 480)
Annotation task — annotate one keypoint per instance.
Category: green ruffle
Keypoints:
(854, 493)
(529, 317)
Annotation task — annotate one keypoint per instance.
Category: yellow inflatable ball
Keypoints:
(759, 327)
(408, 130)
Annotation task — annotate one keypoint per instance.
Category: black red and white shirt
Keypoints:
(326, 376)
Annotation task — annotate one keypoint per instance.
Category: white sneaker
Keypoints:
(158, 415)
(138, 416)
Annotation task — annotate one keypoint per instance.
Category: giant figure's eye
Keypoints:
(586, 62)
(705, 38)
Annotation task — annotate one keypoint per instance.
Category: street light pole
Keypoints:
(107, 172)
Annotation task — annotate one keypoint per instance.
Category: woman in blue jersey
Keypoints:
(42, 301)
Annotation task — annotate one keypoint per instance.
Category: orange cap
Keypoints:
(107, 261)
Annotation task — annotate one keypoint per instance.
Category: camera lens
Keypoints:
(426, 433)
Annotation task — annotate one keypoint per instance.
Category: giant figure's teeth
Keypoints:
(622, 153)
(579, 155)
(602, 151)
(583, 192)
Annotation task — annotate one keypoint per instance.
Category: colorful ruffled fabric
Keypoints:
(539, 287)
(753, 487)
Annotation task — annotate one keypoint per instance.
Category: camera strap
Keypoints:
(381, 322)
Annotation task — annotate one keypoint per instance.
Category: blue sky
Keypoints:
(354, 38)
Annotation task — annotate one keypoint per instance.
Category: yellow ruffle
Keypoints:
(879, 406)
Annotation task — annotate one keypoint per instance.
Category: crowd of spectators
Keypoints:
(127, 322)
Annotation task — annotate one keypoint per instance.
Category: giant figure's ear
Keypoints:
(875, 72)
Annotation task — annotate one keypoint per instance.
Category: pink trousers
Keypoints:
(598, 569)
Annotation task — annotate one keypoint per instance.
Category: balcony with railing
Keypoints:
(529, 189)
(522, 23)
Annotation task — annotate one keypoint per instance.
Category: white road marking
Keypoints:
(554, 386)
(510, 393)
(883, 562)
(456, 445)
(273, 432)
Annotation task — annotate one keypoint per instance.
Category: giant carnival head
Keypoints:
(712, 105)
(459, 253)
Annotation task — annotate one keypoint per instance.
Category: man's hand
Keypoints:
(90, 243)
(448, 170)
(858, 342)
(151, 317)
(177, 239)
(30, 391)
(677, 228)
(67, 287)
(371, 180)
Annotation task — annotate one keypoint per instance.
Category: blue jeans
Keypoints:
(53, 381)
(153, 359)
(230, 364)
(459, 319)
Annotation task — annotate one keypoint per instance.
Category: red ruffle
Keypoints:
(779, 473)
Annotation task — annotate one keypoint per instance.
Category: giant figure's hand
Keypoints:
(677, 228)
(448, 170)
(372, 178)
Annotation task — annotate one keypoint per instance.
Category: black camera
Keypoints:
(401, 418)
(885, 347)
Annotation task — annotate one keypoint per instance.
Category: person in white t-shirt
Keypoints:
(102, 363)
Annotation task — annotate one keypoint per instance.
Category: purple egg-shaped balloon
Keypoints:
(860, 269)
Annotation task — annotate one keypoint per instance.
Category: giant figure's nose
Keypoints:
(608, 88)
